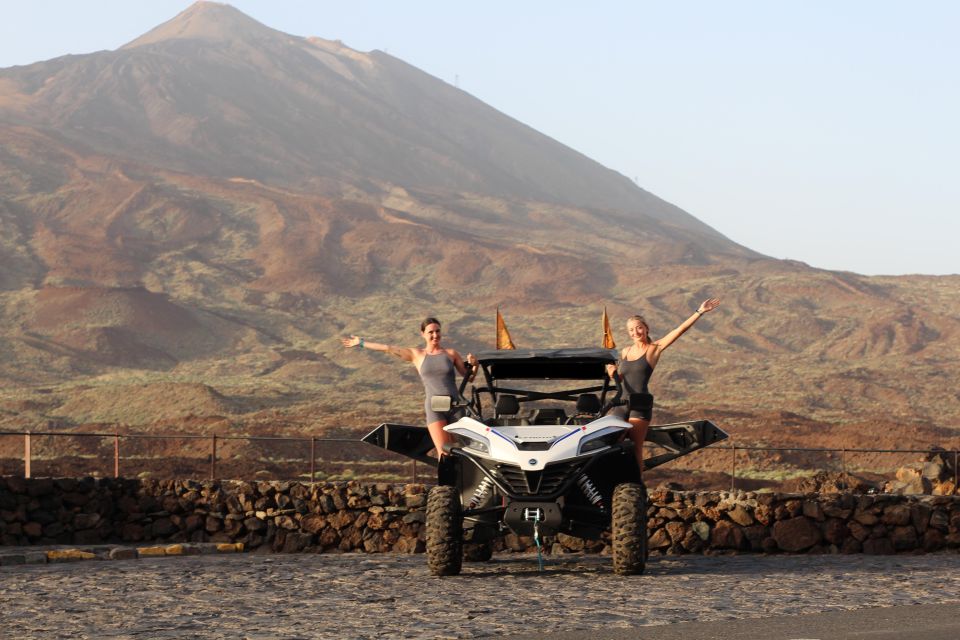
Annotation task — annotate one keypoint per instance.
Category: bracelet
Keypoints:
(361, 343)
(699, 313)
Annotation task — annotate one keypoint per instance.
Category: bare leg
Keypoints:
(638, 433)
(439, 436)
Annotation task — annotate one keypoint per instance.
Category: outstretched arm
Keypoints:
(705, 307)
(403, 353)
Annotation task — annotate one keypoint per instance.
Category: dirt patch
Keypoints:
(121, 327)
(135, 307)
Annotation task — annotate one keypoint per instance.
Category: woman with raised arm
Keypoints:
(436, 366)
(637, 363)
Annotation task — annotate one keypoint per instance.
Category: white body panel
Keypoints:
(501, 441)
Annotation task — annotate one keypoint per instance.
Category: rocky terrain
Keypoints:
(189, 223)
(222, 596)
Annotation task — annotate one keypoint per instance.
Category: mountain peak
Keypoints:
(205, 20)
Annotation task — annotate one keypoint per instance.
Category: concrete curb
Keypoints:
(108, 552)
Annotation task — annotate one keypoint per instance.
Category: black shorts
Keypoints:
(623, 411)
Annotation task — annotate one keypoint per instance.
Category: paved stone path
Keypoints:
(911, 622)
(381, 596)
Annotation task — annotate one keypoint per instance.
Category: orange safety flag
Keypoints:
(503, 336)
(608, 342)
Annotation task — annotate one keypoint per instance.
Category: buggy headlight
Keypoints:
(470, 440)
(600, 440)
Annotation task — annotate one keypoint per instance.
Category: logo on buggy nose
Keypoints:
(532, 461)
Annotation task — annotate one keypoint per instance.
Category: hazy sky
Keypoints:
(821, 131)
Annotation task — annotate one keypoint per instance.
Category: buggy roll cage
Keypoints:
(544, 364)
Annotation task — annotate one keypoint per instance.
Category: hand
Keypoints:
(471, 364)
(708, 305)
(352, 341)
(611, 370)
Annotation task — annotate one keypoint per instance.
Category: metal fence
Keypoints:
(351, 453)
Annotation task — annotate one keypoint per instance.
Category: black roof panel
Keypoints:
(587, 363)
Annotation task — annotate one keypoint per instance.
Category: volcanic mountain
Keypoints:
(216, 202)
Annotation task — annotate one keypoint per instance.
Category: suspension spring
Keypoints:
(483, 489)
(589, 490)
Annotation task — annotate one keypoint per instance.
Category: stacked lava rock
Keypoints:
(281, 516)
(351, 516)
(711, 522)
(935, 475)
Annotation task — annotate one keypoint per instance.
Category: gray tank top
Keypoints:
(636, 374)
(438, 375)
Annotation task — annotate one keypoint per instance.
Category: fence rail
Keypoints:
(214, 439)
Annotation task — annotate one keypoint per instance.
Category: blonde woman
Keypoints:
(637, 362)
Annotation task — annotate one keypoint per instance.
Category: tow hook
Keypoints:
(536, 515)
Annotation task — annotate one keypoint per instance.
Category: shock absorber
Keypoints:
(483, 489)
(589, 490)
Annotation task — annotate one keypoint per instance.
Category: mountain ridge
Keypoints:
(189, 140)
(207, 20)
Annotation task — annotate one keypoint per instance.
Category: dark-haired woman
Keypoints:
(437, 366)
(636, 365)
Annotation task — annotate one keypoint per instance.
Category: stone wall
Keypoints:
(350, 516)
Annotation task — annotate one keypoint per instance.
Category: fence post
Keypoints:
(843, 467)
(116, 455)
(26, 455)
(213, 459)
(414, 472)
(733, 466)
(313, 458)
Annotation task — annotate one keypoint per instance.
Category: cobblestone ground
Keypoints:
(376, 596)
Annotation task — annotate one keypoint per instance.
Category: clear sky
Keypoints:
(826, 131)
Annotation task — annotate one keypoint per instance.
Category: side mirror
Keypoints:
(641, 402)
(440, 404)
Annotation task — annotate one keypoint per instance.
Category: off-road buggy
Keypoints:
(535, 454)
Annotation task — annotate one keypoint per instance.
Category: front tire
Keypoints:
(629, 529)
(444, 531)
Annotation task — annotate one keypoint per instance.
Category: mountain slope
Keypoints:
(217, 202)
(212, 91)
